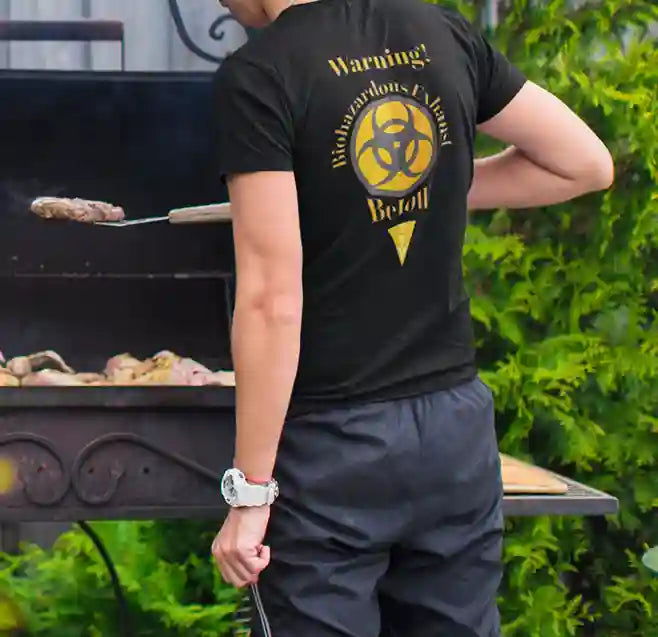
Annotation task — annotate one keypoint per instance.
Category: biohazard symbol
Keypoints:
(393, 146)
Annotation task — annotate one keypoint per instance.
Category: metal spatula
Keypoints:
(212, 213)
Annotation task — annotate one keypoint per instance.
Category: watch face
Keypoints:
(228, 488)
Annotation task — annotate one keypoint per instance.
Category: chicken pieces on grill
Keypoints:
(8, 380)
(25, 365)
(25, 368)
(165, 368)
(83, 210)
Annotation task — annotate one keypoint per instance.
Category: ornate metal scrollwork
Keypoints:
(44, 483)
(117, 469)
(216, 32)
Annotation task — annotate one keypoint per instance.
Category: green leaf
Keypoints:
(650, 560)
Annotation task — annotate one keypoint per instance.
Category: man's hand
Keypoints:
(238, 548)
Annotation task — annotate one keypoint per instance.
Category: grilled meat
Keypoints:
(51, 378)
(8, 380)
(221, 379)
(91, 378)
(124, 368)
(165, 368)
(82, 210)
(25, 365)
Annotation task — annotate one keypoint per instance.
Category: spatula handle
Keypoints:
(212, 213)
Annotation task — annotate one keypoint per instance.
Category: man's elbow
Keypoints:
(600, 171)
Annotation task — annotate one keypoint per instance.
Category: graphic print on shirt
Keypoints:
(393, 146)
(391, 136)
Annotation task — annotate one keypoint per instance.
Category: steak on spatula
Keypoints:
(82, 210)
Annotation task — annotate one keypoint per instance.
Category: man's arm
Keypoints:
(268, 313)
(554, 156)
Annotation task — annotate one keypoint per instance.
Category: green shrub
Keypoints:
(171, 587)
(565, 305)
(564, 299)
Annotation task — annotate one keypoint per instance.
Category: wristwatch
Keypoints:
(239, 492)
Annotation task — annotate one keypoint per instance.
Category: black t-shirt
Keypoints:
(373, 104)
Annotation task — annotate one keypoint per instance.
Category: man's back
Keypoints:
(380, 99)
(347, 141)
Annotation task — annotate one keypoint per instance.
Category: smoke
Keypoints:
(17, 196)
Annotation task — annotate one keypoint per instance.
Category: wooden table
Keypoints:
(532, 491)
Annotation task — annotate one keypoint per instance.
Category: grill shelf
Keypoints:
(578, 500)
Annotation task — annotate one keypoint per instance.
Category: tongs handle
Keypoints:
(212, 213)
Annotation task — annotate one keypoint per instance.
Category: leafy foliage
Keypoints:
(565, 305)
(566, 312)
(171, 588)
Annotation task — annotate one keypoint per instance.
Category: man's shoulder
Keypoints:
(246, 65)
(261, 55)
(265, 47)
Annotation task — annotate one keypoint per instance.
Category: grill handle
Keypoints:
(64, 31)
(212, 213)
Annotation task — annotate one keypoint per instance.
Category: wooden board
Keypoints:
(521, 477)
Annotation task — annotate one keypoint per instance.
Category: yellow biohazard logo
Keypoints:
(393, 146)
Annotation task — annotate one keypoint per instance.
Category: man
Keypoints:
(346, 138)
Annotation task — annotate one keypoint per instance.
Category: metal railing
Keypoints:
(65, 31)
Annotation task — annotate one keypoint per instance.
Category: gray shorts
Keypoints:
(389, 522)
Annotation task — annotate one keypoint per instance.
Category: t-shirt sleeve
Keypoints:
(253, 119)
(495, 78)
(498, 79)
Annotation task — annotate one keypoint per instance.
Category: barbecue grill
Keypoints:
(145, 142)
